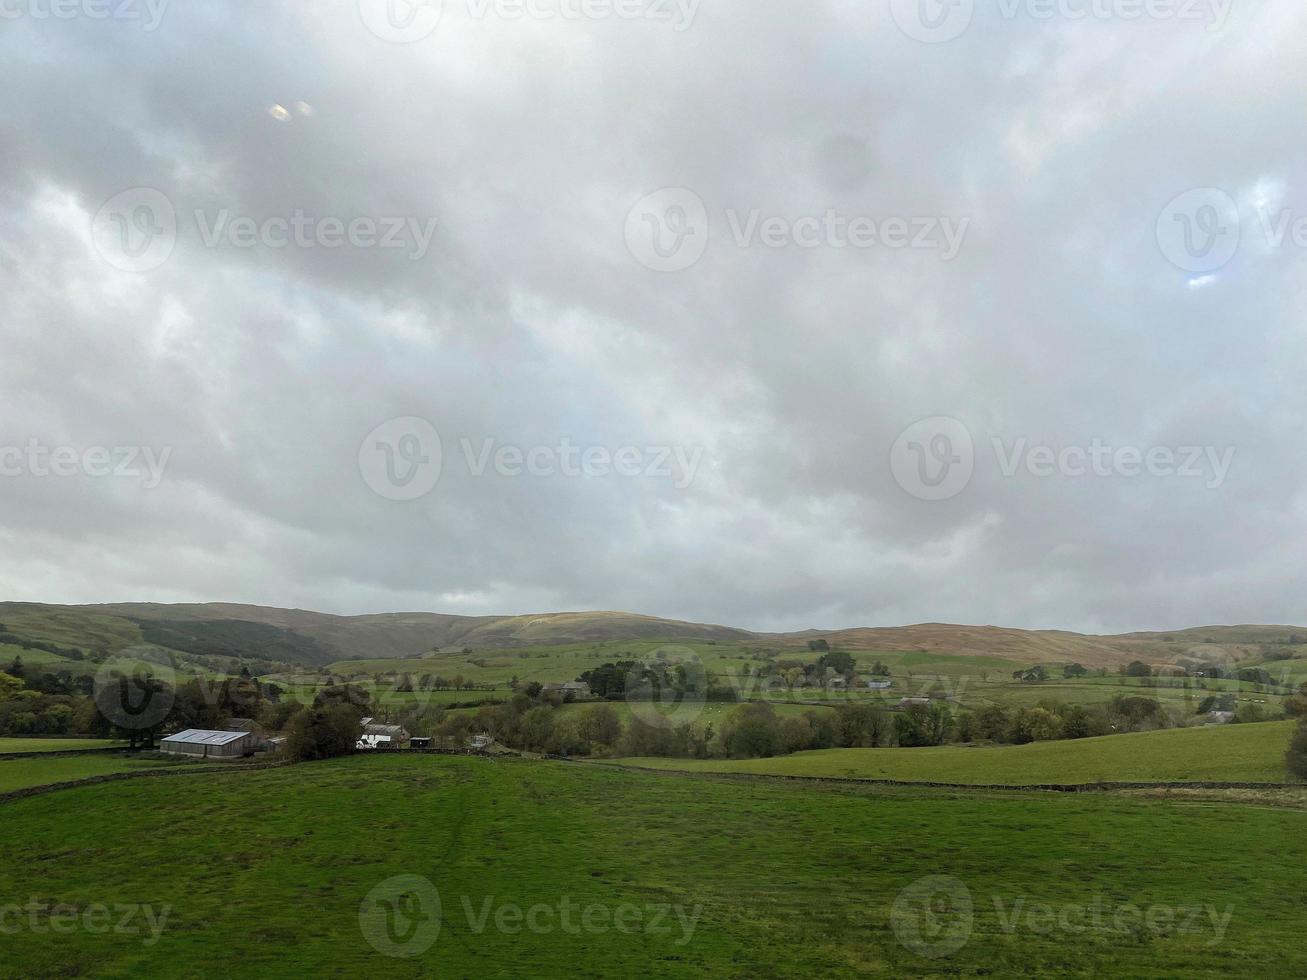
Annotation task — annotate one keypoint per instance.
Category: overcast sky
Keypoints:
(800, 315)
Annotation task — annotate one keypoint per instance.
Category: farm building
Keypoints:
(208, 744)
(574, 689)
(479, 742)
(382, 736)
(419, 743)
(879, 685)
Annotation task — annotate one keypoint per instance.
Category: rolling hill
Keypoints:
(315, 639)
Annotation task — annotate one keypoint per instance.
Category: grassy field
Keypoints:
(25, 773)
(768, 879)
(52, 744)
(1233, 753)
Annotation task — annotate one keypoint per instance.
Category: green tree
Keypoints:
(922, 725)
(324, 732)
(991, 723)
(599, 725)
(1296, 758)
(838, 661)
(751, 731)
(1076, 723)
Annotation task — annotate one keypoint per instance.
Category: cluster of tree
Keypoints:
(1296, 706)
(532, 722)
(1049, 721)
(433, 682)
(753, 729)
(661, 680)
(40, 704)
(13, 640)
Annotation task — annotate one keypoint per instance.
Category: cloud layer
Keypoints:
(670, 290)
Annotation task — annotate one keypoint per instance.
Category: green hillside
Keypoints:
(1231, 753)
(770, 879)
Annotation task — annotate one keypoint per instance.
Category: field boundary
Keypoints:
(182, 769)
(62, 752)
(1100, 787)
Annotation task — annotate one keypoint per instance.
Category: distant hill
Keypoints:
(315, 639)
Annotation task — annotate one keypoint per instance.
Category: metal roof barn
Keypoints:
(208, 744)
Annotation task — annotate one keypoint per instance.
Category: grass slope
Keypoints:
(1234, 753)
(269, 871)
